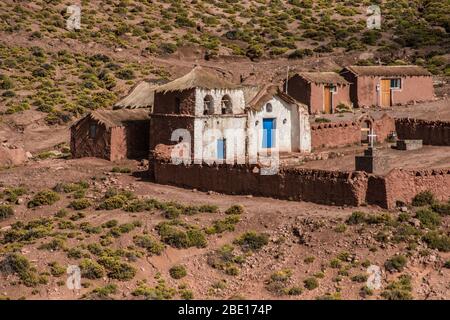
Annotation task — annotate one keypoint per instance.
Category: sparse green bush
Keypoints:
(45, 197)
(177, 272)
(18, 264)
(103, 292)
(278, 281)
(114, 202)
(356, 217)
(438, 241)
(80, 204)
(396, 263)
(91, 269)
(174, 236)
(121, 170)
(311, 283)
(399, 290)
(423, 198)
(235, 209)
(220, 226)
(152, 245)
(252, 241)
(428, 218)
(442, 208)
(6, 212)
(56, 269)
(12, 194)
(117, 269)
(160, 292)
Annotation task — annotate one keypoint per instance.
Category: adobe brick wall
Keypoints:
(162, 127)
(435, 133)
(300, 90)
(319, 186)
(338, 134)
(403, 185)
(165, 102)
(335, 134)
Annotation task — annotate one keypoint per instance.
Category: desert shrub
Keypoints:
(62, 213)
(147, 242)
(91, 269)
(12, 194)
(159, 292)
(225, 259)
(423, 198)
(447, 264)
(309, 260)
(359, 278)
(114, 202)
(356, 217)
(75, 253)
(335, 263)
(110, 224)
(210, 208)
(428, 218)
(117, 269)
(6, 212)
(310, 283)
(226, 224)
(53, 245)
(45, 197)
(103, 292)
(137, 205)
(174, 236)
(56, 269)
(18, 264)
(396, 263)
(90, 229)
(278, 281)
(121, 170)
(186, 294)
(80, 204)
(177, 272)
(252, 241)
(125, 74)
(399, 290)
(442, 208)
(171, 212)
(77, 216)
(235, 209)
(438, 241)
(71, 187)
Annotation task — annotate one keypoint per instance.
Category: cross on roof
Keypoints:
(371, 136)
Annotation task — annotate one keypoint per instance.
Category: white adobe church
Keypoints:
(223, 122)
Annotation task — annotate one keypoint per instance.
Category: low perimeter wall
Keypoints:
(318, 186)
(436, 133)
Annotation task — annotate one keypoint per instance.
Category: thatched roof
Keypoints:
(323, 77)
(141, 96)
(116, 118)
(198, 77)
(388, 71)
(265, 94)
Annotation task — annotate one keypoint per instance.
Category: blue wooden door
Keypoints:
(268, 133)
(221, 149)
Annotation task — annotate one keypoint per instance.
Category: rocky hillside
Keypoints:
(49, 75)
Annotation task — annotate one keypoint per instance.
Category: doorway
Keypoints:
(385, 90)
(366, 126)
(328, 99)
(221, 149)
(268, 133)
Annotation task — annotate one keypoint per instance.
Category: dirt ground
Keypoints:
(305, 241)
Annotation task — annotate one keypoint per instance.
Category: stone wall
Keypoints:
(435, 133)
(338, 134)
(403, 185)
(318, 186)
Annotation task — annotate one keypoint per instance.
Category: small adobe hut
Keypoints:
(386, 86)
(322, 92)
(111, 134)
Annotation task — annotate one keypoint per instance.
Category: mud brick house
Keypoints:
(386, 86)
(219, 120)
(111, 134)
(322, 92)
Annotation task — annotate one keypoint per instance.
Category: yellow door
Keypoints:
(327, 100)
(385, 93)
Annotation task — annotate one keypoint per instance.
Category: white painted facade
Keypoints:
(243, 131)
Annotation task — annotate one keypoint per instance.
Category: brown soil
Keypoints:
(297, 230)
